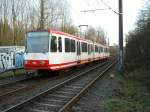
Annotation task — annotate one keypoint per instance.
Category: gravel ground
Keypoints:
(102, 90)
(11, 79)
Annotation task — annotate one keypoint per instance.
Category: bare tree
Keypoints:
(4, 20)
(91, 33)
(100, 35)
(19, 16)
(96, 35)
(42, 15)
(17, 13)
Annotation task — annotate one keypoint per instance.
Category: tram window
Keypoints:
(96, 48)
(106, 49)
(89, 50)
(79, 48)
(60, 44)
(102, 49)
(84, 47)
(72, 45)
(53, 44)
(99, 49)
(67, 45)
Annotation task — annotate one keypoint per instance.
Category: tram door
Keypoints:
(78, 51)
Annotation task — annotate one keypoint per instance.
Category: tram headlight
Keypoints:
(42, 62)
(26, 62)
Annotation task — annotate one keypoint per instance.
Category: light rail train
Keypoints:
(55, 50)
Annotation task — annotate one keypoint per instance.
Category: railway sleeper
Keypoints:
(45, 106)
(54, 102)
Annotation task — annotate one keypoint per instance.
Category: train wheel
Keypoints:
(55, 73)
(45, 73)
(29, 73)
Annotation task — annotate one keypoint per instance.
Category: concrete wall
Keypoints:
(11, 56)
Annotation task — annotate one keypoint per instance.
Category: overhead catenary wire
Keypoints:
(110, 8)
(93, 10)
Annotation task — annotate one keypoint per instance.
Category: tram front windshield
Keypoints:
(37, 42)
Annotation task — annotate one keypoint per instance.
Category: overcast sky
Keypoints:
(107, 19)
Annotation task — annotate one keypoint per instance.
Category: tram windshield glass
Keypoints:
(37, 42)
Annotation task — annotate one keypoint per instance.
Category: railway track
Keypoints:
(63, 95)
(15, 93)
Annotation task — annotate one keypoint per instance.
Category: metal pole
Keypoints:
(120, 36)
(42, 14)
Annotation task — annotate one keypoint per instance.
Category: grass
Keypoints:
(132, 97)
(120, 105)
(12, 74)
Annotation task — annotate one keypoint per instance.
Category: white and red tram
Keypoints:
(56, 50)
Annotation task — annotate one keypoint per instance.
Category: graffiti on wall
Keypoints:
(11, 57)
